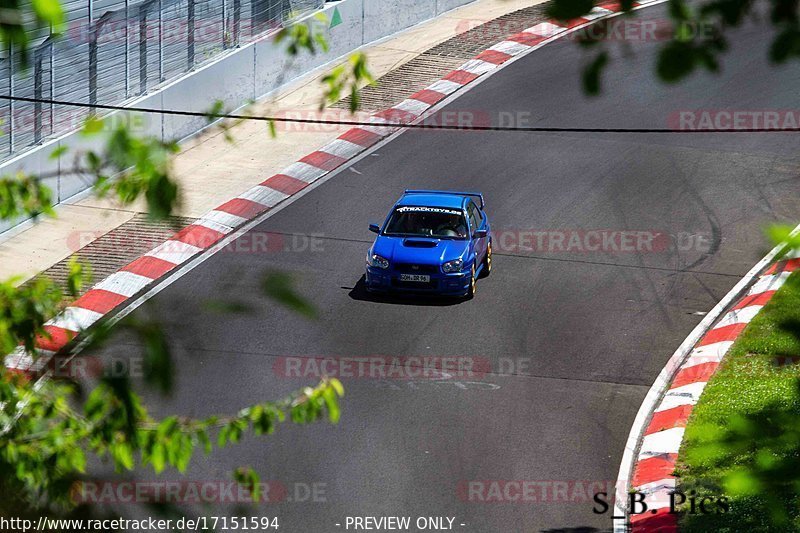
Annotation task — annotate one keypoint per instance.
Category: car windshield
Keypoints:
(438, 222)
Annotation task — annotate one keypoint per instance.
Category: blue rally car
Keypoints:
(432, 241)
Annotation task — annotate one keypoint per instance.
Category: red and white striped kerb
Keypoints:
(662, 437)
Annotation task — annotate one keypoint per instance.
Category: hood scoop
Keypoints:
(420, 243)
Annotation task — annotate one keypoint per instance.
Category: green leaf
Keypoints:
(93, 161)
(592, 73)
(355, 100)
(23, 195)
(782, 234)
(332, 403)
(205, 442)
(679, 10)
(184, 452)
(569, 9)
(222, 436)
(77, 460)
(49, 11)
(92, 126)
(162, 196)
(250, 480)
(217, 109)
(58, 152)
(336, 385)
(79, 275)
(123, 455)
(24, 309)
(675, 61)
(785, 45)
(158, 457)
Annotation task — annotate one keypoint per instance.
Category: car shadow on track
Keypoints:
(359, 292)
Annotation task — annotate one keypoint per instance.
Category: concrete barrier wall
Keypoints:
(242, 75)
(384, 18)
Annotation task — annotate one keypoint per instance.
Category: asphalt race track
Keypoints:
(573, 339)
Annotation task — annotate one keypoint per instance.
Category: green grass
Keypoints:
(743, 437)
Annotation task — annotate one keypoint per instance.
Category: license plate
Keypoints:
(415, 277)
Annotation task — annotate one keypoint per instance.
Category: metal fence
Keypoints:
(116, 50)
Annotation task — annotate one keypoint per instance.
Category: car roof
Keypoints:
(452, 201)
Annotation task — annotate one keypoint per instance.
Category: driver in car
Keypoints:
(452, 230)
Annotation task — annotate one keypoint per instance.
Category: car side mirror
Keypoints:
(479, 234)
(374, 228)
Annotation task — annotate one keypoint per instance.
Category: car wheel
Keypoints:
(471, 290)
(487, 261)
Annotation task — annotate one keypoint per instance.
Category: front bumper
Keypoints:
(387, 280)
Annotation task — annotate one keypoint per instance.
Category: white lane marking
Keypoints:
(410, 105)
(266, 196)
(683, 395)
(175, 252)
(21, 359)
(212, 224)
(667, 441)
(382, 131)
(75, 319)
(655, 487)
(511, 48)
(444, 87)
(596, 13)
(545, 29)
(710, 353)
(342, 148)
(223, 218)
(657, 493)
(771, 282)
(738, 316)
(34, 365)
(125, 283)
(477, 66)
(304, 172)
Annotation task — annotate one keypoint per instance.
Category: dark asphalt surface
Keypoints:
(593, 328)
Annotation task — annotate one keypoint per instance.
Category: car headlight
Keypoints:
(377, 261)
(453, 266)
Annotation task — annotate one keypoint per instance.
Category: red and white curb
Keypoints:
(212, 227)
(660, 434)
